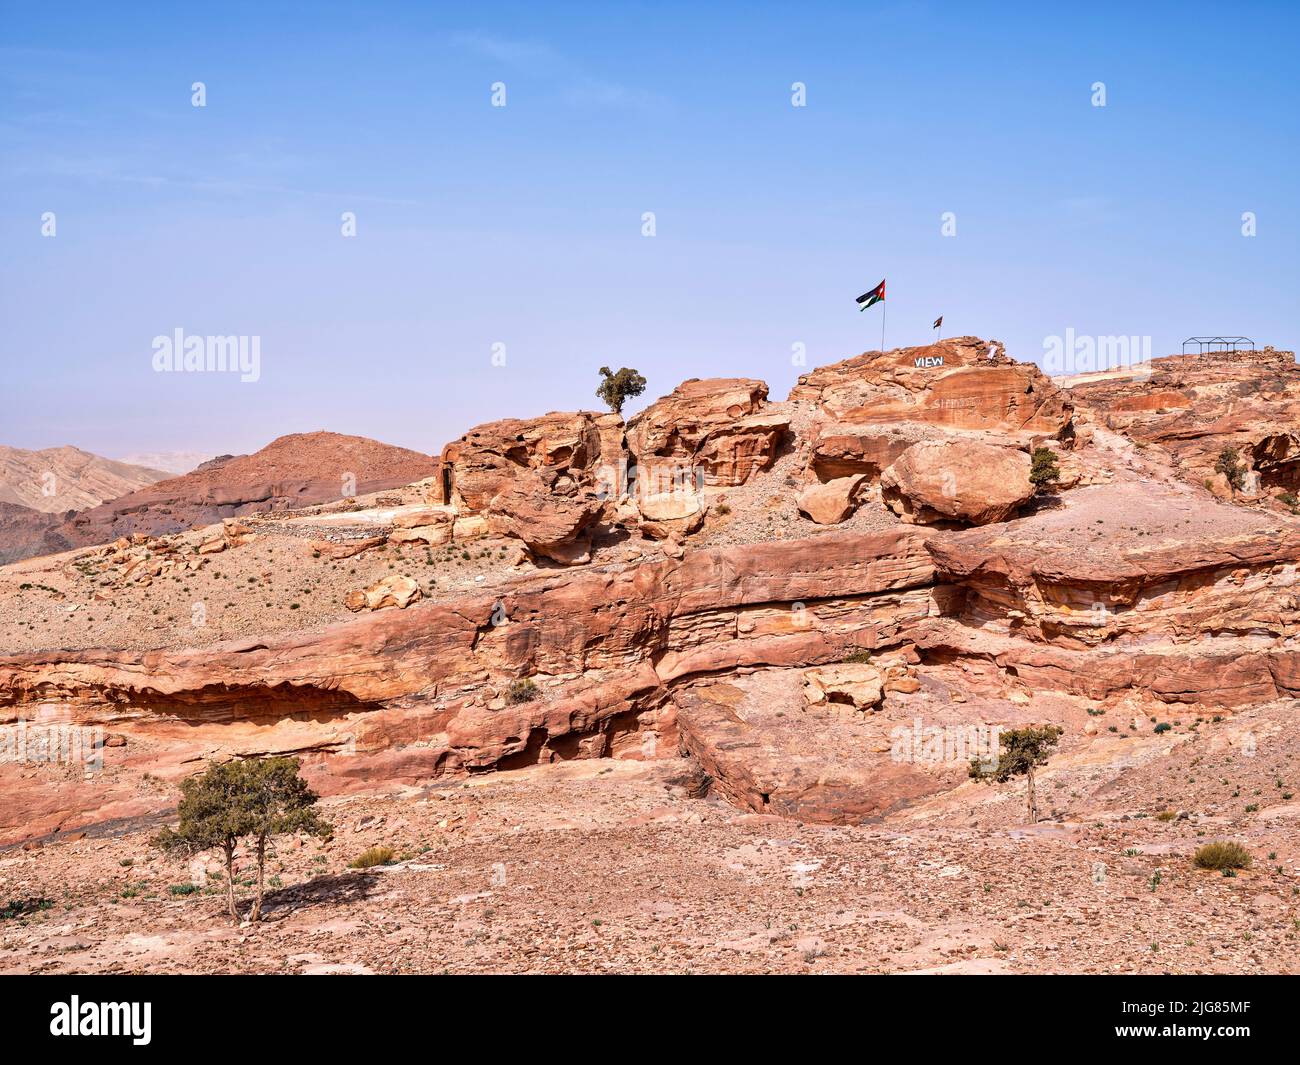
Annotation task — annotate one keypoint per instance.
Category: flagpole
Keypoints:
(882, 326)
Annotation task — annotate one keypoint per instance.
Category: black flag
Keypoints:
(937, 322)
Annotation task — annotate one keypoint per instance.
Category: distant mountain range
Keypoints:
(59, 479)
(95, 500)
(174, 462)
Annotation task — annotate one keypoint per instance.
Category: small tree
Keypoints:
(1023, 749)
(1043, 471)
(253, 798)
(1231, 468)
(616, 388)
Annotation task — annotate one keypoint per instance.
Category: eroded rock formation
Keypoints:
(1128, 589)
(957, 396)
(549, 512)
(858, 686)
(961, 383)
(487, 459)
(720, 426)
(1196, 407)
(938, 481)
(540, 481)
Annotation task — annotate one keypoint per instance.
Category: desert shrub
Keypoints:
(1166, 815)
(1230, 466)
(373, 856)
(25, 907)
(521, 691)
(1043, 471)
(1164, 726)
(860, 658)
(1222, 854)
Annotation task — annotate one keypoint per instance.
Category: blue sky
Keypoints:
(522, 225)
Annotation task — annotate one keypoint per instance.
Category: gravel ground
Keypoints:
(274, 583)
(611, 867)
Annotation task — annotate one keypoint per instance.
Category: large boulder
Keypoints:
(842, 450)
(829, 503)
(422, 516)
(856, 686)
(960, 383)
(957, 481)
(484, 461)
(337, 550)
(429, 525)
(671, 514)
(717, 427)
(395, 590)
(548, 512)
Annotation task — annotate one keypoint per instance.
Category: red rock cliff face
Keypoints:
(1137, 587)
(400, 695)
(484, 461)
(870, 409)
(963, 383)
(1196, 406)
(721, 426)
(550, 625)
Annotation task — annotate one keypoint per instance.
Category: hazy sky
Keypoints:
(522, 225)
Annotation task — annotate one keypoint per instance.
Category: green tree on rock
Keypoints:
(1229, 464)
(251, 799)
(1043, 471)
(1023, 750)
(616, 388)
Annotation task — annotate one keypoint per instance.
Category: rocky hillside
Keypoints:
(292, 471)
(813, 609)
(60, 479)
(25, 532)
(1209, 416)
(618, 567)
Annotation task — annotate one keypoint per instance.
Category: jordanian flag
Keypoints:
(874, 296)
